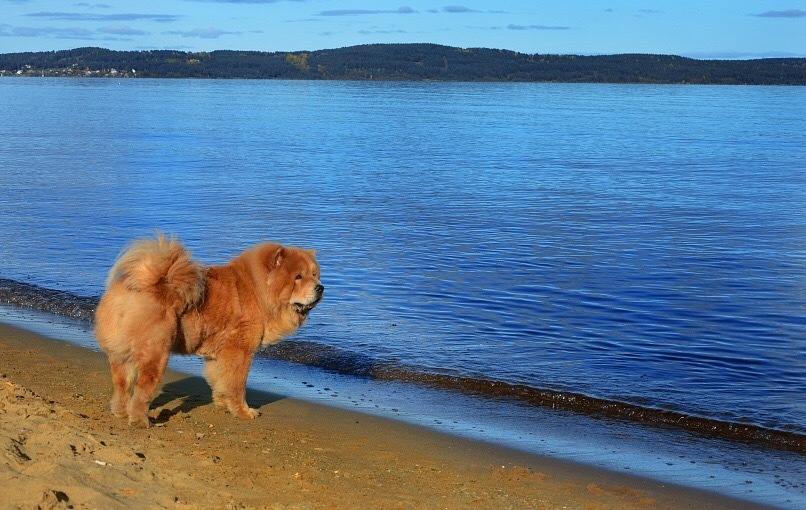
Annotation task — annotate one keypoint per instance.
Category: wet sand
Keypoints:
(60, 448)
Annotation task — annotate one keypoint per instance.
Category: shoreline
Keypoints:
(330, 358)
(297, 454)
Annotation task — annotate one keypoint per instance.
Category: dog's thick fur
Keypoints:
(158, 300)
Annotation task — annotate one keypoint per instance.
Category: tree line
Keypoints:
(406, 62)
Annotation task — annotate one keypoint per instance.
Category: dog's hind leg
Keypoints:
(149, 374)
(121, 380)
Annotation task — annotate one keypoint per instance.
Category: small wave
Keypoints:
(359, 365)
(48, 300)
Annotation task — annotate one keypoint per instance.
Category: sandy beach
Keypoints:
(60, 448)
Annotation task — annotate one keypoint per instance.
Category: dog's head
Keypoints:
(296, 282)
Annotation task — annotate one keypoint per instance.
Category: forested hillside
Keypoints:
(417, 62)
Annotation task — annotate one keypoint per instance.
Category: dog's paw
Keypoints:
(247, 413)
(220, 401)
(141, 423)
(118, 409)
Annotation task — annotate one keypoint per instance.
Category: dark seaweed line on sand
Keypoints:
(356, 364)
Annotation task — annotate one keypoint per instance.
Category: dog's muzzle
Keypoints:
(305, 308)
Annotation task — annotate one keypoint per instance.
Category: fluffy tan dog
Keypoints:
(159, 301)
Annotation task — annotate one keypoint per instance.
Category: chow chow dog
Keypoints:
(158, 300)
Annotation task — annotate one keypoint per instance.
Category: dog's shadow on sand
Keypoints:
(191, 392)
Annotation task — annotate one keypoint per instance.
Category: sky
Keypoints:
(722, 29)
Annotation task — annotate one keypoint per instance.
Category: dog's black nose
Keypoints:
(319, 289)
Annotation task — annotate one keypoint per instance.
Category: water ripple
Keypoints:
(632, 244)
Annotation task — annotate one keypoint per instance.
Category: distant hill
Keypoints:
(405, 62)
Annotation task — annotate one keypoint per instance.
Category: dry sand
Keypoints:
(60, 448)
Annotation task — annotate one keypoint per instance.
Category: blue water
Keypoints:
(644, 244)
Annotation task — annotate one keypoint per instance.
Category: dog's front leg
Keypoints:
(227, 375)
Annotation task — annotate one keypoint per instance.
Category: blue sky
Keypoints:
(694, 28)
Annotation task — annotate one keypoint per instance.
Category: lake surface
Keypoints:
(644, 245)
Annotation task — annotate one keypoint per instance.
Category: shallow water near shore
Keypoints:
(768, 477)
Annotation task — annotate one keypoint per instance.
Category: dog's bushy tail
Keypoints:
(163, 266)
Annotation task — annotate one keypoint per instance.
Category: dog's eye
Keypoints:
(299, 277)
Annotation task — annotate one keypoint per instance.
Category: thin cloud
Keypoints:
(457, 9)
(119, 33)
(47, 32)
(789, 13)
(461, 9)
(385, 32)
(202, 33)
(76, 16)
(535, 27)
(122, 30)
(363, 12)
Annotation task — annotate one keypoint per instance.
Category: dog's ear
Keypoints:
(279, 255)
(312, 253)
